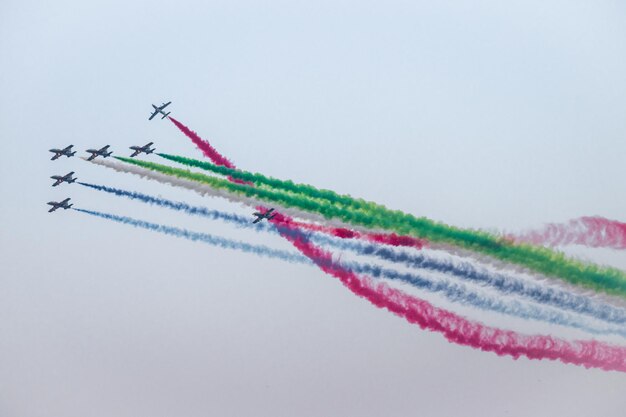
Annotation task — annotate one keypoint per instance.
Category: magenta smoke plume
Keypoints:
(595, 232)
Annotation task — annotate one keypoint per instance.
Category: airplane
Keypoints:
(139, 149)
(100, 152)
(60, 152)
(159, 109)
(261, 216)
(65, 178)
(61, 204)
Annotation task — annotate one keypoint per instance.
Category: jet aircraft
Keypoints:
(63, 178)
(99, 152)
(61, 204)
(139, 149)
(159, 109)
(60, 152)
(260, 216)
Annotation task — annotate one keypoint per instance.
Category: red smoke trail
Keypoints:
(203, 145)
(462, 331)
(595, 232)
(385, 238)
(454, 327)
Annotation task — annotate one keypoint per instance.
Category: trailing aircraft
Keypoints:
(139, 149)
(99, 152)
(62, 152)
(260, 216)
(61, 204)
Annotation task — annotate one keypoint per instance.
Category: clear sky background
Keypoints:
(487, 114)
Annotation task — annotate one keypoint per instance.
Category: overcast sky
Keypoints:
(488, 114)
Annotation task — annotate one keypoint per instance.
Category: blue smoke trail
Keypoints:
(507, 285)
(459, 293)
(203, 237)
(453, 292)
(175, 205)
(504, 284)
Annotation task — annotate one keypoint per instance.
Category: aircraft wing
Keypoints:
(152, 115)
(165, 105)
(56, 156)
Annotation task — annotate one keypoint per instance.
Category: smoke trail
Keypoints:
(466, 271)
(198, 187)
(453, 292)
(202, 237)
(456, 329)
(505, 284)
(288, 185)
(204, 190)
(595, 232)
(461, 294)
(382, 238)
(465, 332)
(609, 280)
(175, 205)
(204, 146)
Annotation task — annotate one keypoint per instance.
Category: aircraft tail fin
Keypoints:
(165, 115)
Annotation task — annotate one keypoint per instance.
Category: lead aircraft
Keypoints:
(159, 109)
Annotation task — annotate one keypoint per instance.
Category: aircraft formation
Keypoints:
(530, 282)
(104, 152)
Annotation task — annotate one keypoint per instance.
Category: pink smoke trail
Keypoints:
(454, 327)
(595, 232)
(206, 148)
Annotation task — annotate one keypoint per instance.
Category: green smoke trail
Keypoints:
(287, 185)
(545, 261)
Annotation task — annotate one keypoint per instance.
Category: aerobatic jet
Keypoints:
(260, 216)
(139, 149)
(63, 178)
(99, 152)
(60, 152)
(159, 109)
(61, 204)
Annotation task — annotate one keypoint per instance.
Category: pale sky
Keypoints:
(492, 115)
